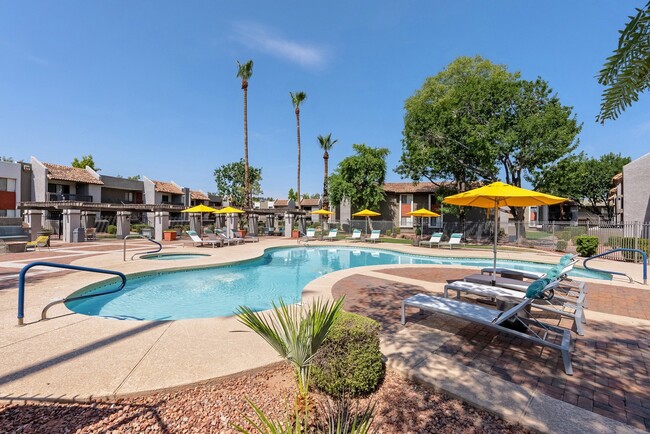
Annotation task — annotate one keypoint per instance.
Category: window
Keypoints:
(8, 184)
(533, 216)
(405, 207)
(434, 222)
(128, 196)
(165, 198)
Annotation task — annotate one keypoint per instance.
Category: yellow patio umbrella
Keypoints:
(200, 209)
(366, 213)
(325, 213)
(496, 195)
(423, 213)
(228, 210)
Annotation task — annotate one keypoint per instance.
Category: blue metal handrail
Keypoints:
(622, 249)
(160, 247)
(23, 272)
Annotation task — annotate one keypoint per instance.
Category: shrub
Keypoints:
(571, 233)
(560, 246)
(349, 362)
(587, 245)
(111, 229)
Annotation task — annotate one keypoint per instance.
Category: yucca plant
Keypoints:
(345, 416)
(295, 332)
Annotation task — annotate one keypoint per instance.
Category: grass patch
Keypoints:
(395, 240)
(537, 235)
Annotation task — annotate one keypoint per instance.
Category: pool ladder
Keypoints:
(21, 286)
(145, 253)
(643, 255)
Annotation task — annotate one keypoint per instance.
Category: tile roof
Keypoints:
(198, 195)
(409, 187)
(281, 202)
(167, 187)
(66, 173)
(310, 202)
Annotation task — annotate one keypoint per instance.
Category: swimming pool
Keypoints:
(173, 256)
(256, 283)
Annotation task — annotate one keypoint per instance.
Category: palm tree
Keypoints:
(297, 98)
(326, 144)
(296, 333)
(245, 72)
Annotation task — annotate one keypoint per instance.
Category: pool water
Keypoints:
(173, 256)
(281, 273)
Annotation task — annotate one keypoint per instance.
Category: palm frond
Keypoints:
(297, 98)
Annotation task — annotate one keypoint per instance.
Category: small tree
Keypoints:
(292, 195)
(86, 161)
(230, 181)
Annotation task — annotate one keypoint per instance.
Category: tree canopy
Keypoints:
(582, 178)
(627, 71)
(86, 160)
(475, 119)
(230, 181)
(360, 178)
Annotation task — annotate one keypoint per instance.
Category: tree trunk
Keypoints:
(247, 184)
(326, 200)
(298, 135)
(520, 228)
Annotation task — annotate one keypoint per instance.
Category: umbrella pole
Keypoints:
(494, 261)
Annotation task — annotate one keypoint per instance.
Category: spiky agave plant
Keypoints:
(295, 332)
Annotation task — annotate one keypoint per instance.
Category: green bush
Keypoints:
(139, 226)
(561, 245)
(111, 229)
(587, 245)
(571, 233)
(349, 361)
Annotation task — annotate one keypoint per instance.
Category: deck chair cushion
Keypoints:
(566, 259)
(537, 289)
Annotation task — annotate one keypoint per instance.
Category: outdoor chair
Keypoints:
(214, 238)
(356, 235)
(309, 236)
(229, 240)
(91, 234)
(454, 240)
(374, 236)
(575, 311)
(332, 235)
(567, 262)
(41, 241)
(248, 237)
(434, 240)
(502, 320)
(196, 239)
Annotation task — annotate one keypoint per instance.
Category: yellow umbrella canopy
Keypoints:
(322, 212)
(229, 210)
(200, 208)
(423, 212)
(366, 213)
(496, 195)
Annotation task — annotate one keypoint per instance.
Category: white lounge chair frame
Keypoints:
(574, 311)
(435, 239)
(356, 235)
(229, 240)
(454, 240)
(495, 319)
(375, 236)
(196, 239)
(213, 238)
(332, 235)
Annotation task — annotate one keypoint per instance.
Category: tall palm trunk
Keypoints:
(298, 134)
(247, 185)
(326, 198)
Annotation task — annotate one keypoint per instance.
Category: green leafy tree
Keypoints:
(230, 181)
(6, 159)
(583, 179)
(475, 119)
(297, 98)
(360, 178)
(134, 178)
(245, 71)
(627, 72)
(292, 195)
(86, 160)
(326, 143)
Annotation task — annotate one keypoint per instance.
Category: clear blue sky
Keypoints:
(150, 87)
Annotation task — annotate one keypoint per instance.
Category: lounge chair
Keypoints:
(574, 311)
(229, 240)
(197, 239)
(41, 241)
(91, 234)
(248, 237)
(566, 262)
(332, 235)
(374, 236)
(454, 240)
(532, 330)
(356, 235)
(309, 236)
(434, 240)
(213, 237)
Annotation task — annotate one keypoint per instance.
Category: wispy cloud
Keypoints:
(261, 38)
(24, 54)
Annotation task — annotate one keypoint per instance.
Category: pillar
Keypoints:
(288, 224)
(302, 224)
(252, 224)
(160, 223)
(123, 221)
(71, 221)
(232, 224)
(270, 221)
(195, 222)
(34, 219)
(88, 219)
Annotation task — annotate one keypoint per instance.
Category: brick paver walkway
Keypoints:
(611, 362)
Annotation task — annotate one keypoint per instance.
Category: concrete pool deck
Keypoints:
(75, 357)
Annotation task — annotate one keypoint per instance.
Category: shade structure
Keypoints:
(496, 195)
(366, 213)
(423, 212)
(229, 210)
(200, 209)
(322, 212)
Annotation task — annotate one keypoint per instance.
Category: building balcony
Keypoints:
(54, 197)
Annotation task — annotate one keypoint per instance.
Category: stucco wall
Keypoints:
(636, 198)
